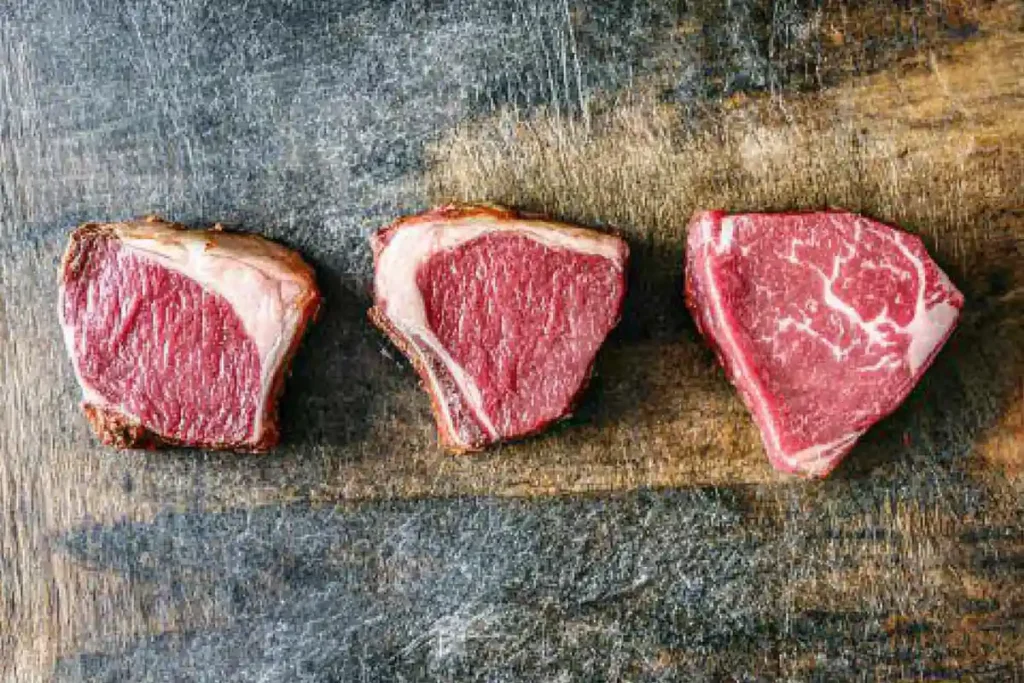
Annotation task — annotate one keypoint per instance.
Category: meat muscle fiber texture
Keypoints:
(501, 314)
(823, 321)
(182, 337)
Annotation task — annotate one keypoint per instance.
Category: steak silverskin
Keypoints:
(182, 337)
(501, 314)
(824, 322)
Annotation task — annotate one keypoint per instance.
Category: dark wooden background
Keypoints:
(647, 539)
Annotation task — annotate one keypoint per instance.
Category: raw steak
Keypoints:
(182, 337)
(500, 314)
(823, 321)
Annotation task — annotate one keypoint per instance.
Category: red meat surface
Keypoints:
(823, 321)
(182, 337)
(501, 315)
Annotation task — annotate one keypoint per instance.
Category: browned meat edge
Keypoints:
(453, 212)
(120, 431)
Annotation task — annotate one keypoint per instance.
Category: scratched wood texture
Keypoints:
(644, 539)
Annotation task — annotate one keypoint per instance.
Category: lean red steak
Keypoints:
(501, 314)
(823, 321)
(182, 337)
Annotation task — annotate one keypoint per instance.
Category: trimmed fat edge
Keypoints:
(395, 287)
(267, 319)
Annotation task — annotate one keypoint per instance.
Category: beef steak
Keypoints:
(502, 315)
(182, 337)
(823, 321)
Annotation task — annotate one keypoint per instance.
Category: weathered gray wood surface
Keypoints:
(647, 539)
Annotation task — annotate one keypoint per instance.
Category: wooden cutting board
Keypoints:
(644, 539)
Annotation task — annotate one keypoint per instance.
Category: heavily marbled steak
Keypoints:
(823, 321)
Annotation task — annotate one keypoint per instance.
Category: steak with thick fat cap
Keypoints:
(182, 337)
(501, 314)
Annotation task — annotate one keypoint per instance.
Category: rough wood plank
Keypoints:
(314, 124)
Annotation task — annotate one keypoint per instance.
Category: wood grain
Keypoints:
(917, 539)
